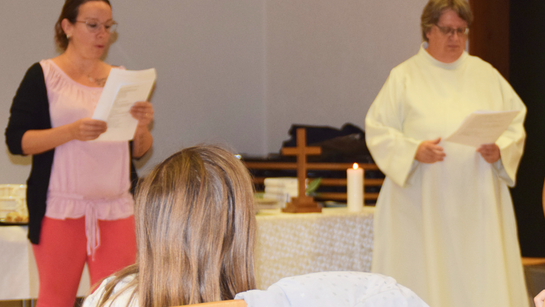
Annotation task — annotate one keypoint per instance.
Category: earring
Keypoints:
(67, 36)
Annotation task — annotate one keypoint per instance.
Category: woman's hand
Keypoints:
(429, 152)
(39, 141)
(489, 152)
(538, 300)
(142, 141)
(87, 129)
(143, 112)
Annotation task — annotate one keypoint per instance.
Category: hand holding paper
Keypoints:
(429, 151)
(142, 111)
(87, 129)
(490, 152)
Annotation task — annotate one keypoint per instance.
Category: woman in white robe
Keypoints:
(444, 223)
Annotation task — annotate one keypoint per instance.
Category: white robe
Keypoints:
(446, 230)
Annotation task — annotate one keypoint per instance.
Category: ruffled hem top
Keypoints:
(90, 179)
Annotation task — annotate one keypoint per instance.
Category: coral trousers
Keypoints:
(62, 254)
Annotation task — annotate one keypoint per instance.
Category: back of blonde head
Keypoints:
(195, 229)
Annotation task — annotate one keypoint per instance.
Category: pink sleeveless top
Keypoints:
(90, 179)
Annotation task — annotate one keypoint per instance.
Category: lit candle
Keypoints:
(354, 187)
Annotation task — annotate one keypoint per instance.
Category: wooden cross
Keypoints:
(302, 203)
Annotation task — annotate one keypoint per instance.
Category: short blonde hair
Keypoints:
(435, 8)
(195, 230)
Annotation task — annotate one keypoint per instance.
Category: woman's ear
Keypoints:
(67, 27)
(428, 34)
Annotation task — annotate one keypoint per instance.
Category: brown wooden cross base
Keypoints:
(304, 204)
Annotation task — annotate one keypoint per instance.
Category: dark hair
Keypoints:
(435, 8)
(70, 11)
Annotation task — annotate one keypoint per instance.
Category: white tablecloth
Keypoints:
(287, 245)
(18, 272)
(295, 244)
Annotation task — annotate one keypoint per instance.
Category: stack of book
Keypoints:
(282, 189)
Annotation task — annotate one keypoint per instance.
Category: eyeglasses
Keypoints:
(94, 26)
(450, 31)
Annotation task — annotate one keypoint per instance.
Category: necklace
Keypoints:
(97, 81)
(78, 69)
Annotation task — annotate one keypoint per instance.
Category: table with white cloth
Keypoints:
(287, 245)
(293, 244)
(19, 275)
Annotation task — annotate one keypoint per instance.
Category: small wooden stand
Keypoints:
(302, 203)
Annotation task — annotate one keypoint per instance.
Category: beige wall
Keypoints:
(237, 72)
(326, 60)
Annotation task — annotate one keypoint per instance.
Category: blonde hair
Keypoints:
(435, 8)
(195, 230)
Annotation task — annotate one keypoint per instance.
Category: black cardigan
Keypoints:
(30, 111)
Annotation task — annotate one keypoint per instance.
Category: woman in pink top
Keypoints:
(79, 200)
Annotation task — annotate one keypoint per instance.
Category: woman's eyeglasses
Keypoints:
(94, 26)
(450, 31)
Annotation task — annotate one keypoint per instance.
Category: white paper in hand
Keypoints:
(122, 89)
(482, 127)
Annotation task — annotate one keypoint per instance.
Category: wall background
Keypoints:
(236, 72)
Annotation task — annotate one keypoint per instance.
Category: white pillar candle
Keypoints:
(354, 187)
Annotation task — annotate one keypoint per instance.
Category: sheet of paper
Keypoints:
(482, 127)
(122, 89)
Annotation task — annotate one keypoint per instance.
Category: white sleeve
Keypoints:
(391, 149)
(93, 299)
(511, 142)
(124, 296)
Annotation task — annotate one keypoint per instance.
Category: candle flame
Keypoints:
(355, 166)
